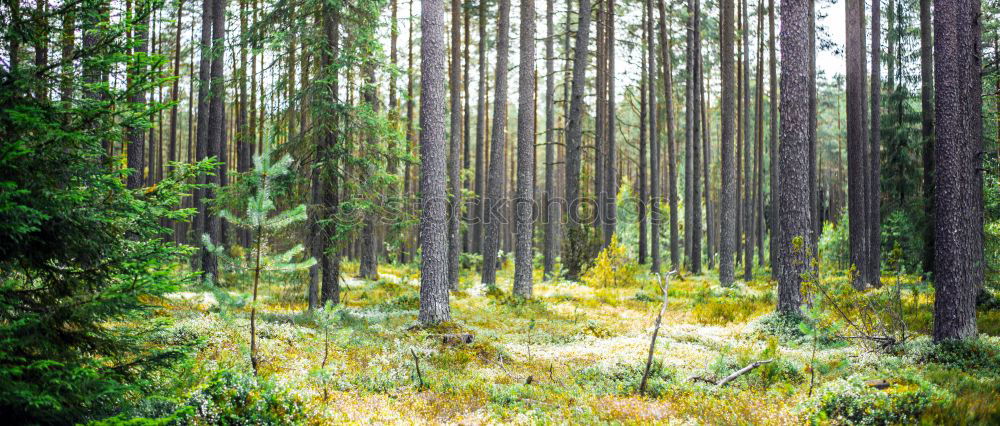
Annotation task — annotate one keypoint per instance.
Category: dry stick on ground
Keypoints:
(656, 330)
(741, 372)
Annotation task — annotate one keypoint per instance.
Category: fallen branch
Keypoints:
(741, 372)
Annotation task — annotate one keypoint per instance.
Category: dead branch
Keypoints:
(664, 284)
(741, 372)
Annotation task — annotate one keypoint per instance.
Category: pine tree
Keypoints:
(262, 221)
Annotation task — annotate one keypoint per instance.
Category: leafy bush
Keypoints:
(612, 268)
(852, 401)
(237, 398)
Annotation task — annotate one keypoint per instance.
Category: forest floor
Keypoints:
(576, 354)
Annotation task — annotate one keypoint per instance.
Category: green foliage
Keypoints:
(978, 355)
(82, 260)
(624, 379)
(834, 246)
(900, 229)
(851, 401)
(612, 268)
(262, 221)
(236, 398)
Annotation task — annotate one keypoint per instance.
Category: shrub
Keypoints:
(974, 354)
(237, 398)
(854, 402)
(624, 379)
(612, 268)
(579, 248)
(834, 246)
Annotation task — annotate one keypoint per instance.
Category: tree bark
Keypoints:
(477, 227)
(857, 146)
(695, 125)
(727, 204)
(495, 205)
(654, 143)
(794, 167)
(434, 306)
(551, 207)
(136, 136)
(958, 208)
(454, 146)
(775, 182)
(874, 181)
(927, 127)
(665, 54)
(575, 128)
(523, 252)
(644, 83)
(610, 169)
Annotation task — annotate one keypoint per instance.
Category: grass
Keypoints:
(583, 349)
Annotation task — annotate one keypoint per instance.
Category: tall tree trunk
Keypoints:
(610, 169)
(523, 253)
(654, 143)
(454, 146)
(477, 227)
(794, 159)
(775, 181)
(467, 129)
(575, 128)
(746, 201)
(665, 55)
(958, 208)
(711, 238)
(328, 175)
(136, 136)
(600, 129)
(727, 205)
(695, 124)
(495, 204)
(874, 181)
(434, 306)
(551, 207)
(927, 126)
(644, 83)
(759, 150)
(857, 146)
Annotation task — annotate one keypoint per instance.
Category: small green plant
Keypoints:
(612, 268)
(261, 223)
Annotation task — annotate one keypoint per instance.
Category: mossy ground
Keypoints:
(583, 348)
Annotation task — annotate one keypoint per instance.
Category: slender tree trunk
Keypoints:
(67, 42)
(610, 169)
(454, 146)
(874, 181)
(711, 238)
(759, 150)
(927, 126)
(467, 129)
(136, 136)
(434, 306)
(775, 161)
(857, 145)
(644, 83)
(746, 202)
(654, 142)
(958, 208)
(695, 125)
(551, 207)
(495, 204)
(794, 158)
(523, 253)
(575, 128)
(477, 227)
(665, 54)
(727, 205)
